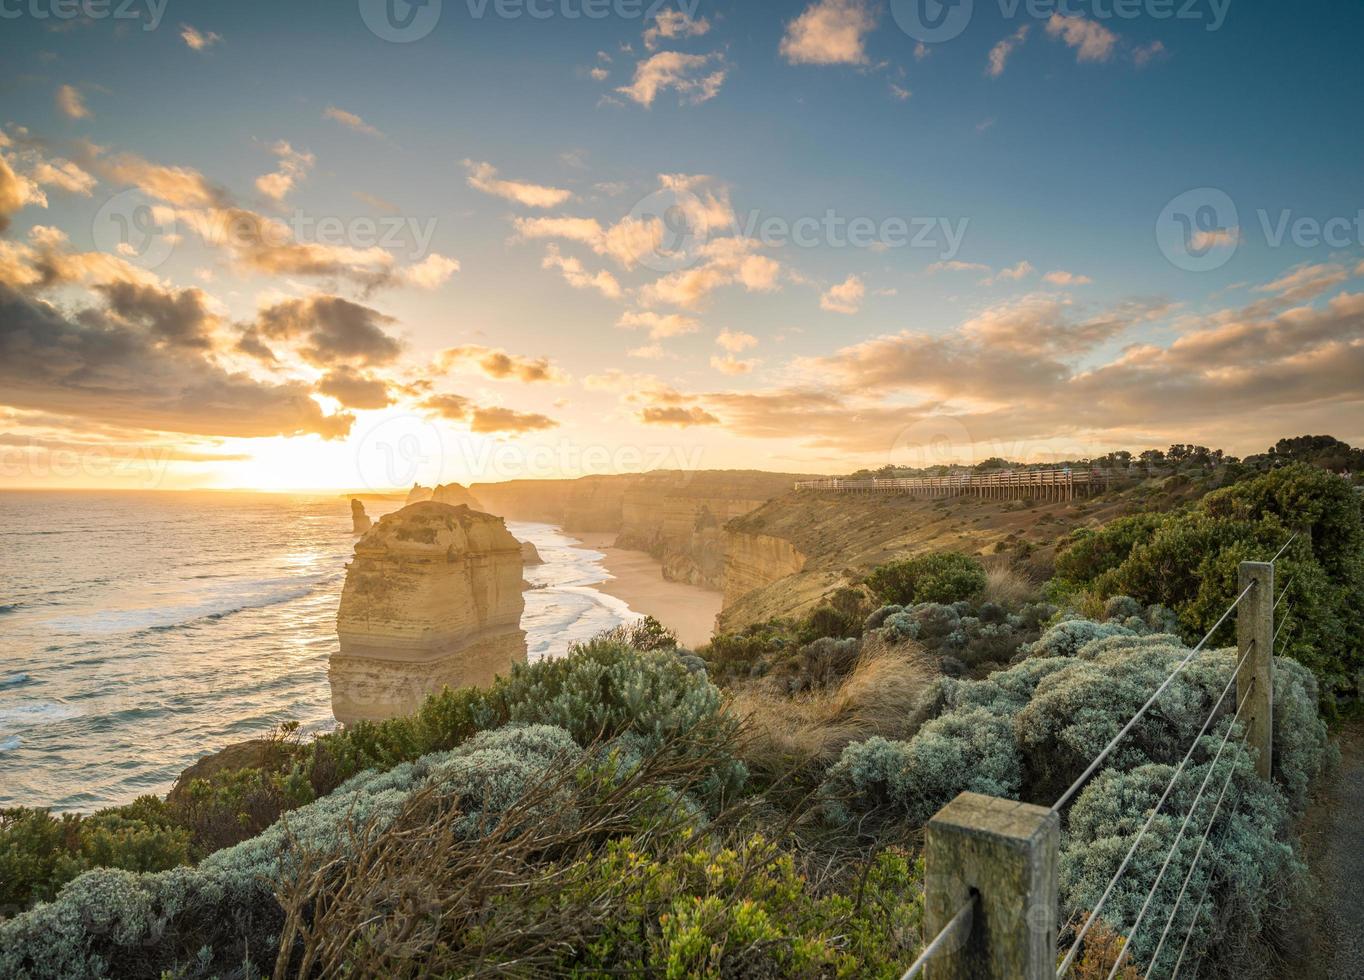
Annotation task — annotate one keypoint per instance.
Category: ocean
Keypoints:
(140, 631)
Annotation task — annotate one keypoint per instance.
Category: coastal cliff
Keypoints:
(433, 598)
(783, 557)
(675, 516)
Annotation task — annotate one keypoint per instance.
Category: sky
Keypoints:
(357, 245)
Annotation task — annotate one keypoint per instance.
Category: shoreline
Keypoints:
(637, 580)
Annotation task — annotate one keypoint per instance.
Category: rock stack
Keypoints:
(359, 520)
(432, 599)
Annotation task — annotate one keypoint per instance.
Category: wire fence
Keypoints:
(1131, 933)
(1254, 687)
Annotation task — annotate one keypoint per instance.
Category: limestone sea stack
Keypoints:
(359, 520)
(432, 599)
(529, 554)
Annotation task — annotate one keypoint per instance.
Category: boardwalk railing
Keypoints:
(1057, 483)
(991, 881)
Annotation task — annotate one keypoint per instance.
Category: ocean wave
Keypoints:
(31, 715)
(13, 680)
(10, 744)
(231, 596)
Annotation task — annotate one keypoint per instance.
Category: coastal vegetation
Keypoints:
(754, 807)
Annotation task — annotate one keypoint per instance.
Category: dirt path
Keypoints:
(1333, 842)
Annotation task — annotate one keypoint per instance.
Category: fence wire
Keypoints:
(960, 920)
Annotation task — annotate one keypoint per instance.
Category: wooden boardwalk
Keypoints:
(1060, 483)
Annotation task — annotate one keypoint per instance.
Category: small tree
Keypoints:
(945, 577)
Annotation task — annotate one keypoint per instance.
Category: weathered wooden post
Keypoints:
(1255, 678)
(1004, 854)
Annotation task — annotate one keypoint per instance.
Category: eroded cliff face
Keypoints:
(784, 557)
(754, 561)
(676, 516)
(433, 598)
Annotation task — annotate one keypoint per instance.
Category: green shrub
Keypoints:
(1029, 731)
(1188, 562)
(119, 923)
(962, 751)
(741, 911)
(40, 852)
(944, 577)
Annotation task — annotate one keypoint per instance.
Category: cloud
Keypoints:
(689, 75)
(999, 54)
(486, 419)
(293, 166)
(490, 419)
(659, 325)
(354, 389)
(72, 103)
(721, 262)
(65, 175)
(499, 365)
(16, 192)
(846, 297)
(649, 352)
(431, 272)
(198, 40)
(900, 93)
(729, 364)
(131, 371)
(735, 341)
(1060, 277)
(670, 24)
(955, 265)
(829, 32)
(346, 118)
(1090, 39)
(179, 319)
(1145, 54)
(1014, 273)
(578, 277)
(682, 417)
(181, 186)
(328, 330)
(1306, 282)
(483, 177)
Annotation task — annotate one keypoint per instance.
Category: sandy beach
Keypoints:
(688, 610)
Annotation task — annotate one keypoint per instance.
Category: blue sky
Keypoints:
(1052, 140)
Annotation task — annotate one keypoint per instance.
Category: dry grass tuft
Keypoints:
(1007, 586)
(883, 695)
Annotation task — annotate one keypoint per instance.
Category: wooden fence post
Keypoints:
(1004, 854)
(1255, 679)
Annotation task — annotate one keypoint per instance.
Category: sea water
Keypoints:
(140, 631)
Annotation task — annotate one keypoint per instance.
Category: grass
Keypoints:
(880, 696)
